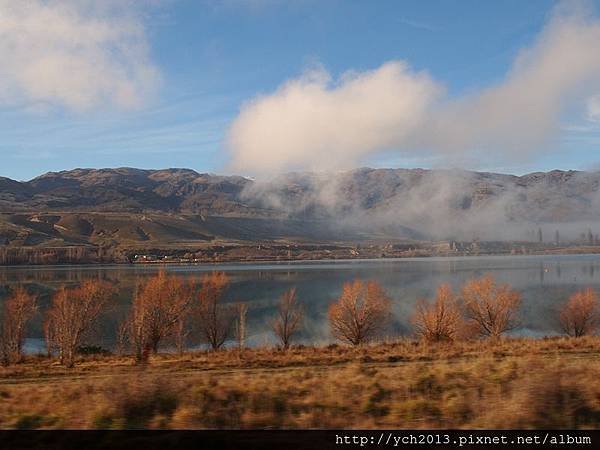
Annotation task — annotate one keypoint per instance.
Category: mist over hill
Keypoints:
(132, 205)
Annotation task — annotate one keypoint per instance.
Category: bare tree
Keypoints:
(240, 325)
(491, 308)
(137, 325)
(72, 314)
(440, 320)
(215, 320)
(289, 318)
(159, 306)
(580, 315)
(361, 312)
(19, 308)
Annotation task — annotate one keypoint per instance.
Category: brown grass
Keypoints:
(512, 383)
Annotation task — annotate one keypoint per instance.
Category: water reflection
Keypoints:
(544, 281)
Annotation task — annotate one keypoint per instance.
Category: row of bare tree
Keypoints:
(487, 309)
(484, 309)
(171, 307)
(71, 315)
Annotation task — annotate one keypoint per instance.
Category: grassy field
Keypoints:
(523, 383)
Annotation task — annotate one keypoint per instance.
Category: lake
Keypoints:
(544, 282)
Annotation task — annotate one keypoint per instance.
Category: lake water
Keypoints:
(544, 282)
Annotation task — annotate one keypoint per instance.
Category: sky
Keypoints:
(265, 86)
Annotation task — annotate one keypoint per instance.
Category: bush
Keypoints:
(580, 316)
(490, 307)
(439, 321)
(361, 312)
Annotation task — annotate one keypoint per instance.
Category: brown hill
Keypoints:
(172, 206)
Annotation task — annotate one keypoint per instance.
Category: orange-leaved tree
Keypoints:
(18, 309)
(439, 320)
(580, 316)
(491, 308)
(361, 312)
(159, 305)
(72, 315)
(215, 320)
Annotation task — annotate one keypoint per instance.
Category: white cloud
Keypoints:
(522, 114)
(75, 54)
(315, 123)
(312, 122)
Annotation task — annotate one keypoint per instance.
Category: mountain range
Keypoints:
(125, 205)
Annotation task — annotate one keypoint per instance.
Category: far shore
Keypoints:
(243, 254)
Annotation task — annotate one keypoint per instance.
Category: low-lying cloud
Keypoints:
(79, 55)
(438, 204)
(315, 122)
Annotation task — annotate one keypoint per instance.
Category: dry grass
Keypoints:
(512, 383)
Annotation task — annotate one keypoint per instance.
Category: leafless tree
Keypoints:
(215, 320)
(72, 314)
(440, 320)
(159, 305)
(361, 312)
(19, 308)
(289, 318)
(490, 307)
(580, 316)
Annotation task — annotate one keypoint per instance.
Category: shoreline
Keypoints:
(575, 251)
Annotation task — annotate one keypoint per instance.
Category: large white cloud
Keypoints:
(79, 55)
(313, 122)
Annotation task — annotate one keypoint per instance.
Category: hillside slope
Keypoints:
(122, 206)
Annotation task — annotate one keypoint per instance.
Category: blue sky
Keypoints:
(207, 60)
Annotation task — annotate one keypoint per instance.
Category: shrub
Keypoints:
(360, 313)
(580, 316)
(438, 321)
(159, 305)
(491, 308)
(215, 320)
(72, 314)
(18, 309)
